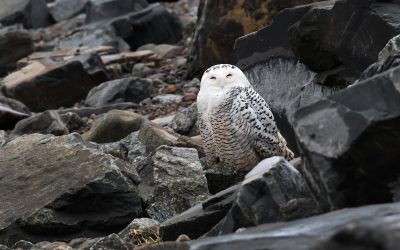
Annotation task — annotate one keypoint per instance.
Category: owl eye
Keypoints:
(228, 75)
(213, 78)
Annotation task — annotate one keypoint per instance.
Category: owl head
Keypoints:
(223, 76)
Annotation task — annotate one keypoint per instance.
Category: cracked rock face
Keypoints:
(62, 186)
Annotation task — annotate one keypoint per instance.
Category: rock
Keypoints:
(357, 228)
(87, 111)
(178, 179)
(104, 9)
(209, 47)
(153, 136)
(379, 67)
(111, 242)
(115, 125)
(275, 186)
(391, 48)
(48, 122)
(140, 231)
(154, 24)
(11, 111)
(30, 13)
(82, 243)
(339, 137)
(220, 177)
(3, 138)
(57, 188)
(42, 85)
(184, 122)
(164, 121)
(19, 42)
(131, 89)
(141, 70)
(72, 121)
(162, 50)
(128, 57)
(131, 148)
(355, 26)
(201, 218)
(23, 245)
(168, 99)
(65, 9)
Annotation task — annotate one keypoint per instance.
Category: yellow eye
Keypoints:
(228, 75)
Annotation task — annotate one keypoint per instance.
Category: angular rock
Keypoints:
(104, 9)
(209, 47)
(161, 50)
(111, 242)
(355, 26)
(201, 218)
(19, 42)
(30, 13)
(349, 141)
(3, 138)
(11, 111)
(131, 89)
(131, 148)
(48, 122)
(87, 111)
(184, 122)
(154, 24)
(179, 182)
(65, 9)
(142, 70)
(59, 188)
(168, 99)
(220, 177)
(72, 121)
(140, 231)
(275, 186)
(153, 136)
(113, 126)
(50, 85)
(368, 227)
(379, 67)
(391, 48)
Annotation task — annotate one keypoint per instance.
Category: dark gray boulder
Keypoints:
(30, 13)
(391, 48)
(131, 89)
(48, 122)
(61, 188)
(42, 86)
(154, 24)
(104, 9)
(11, 111)
(111, 242)
(19, 42)
(184, 122)
(65, 9)
(349, 141)
(177, 180)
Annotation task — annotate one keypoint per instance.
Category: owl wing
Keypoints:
(206, 133)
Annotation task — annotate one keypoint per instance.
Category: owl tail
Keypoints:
(285, 151)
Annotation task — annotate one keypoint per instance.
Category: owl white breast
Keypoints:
(236, 125)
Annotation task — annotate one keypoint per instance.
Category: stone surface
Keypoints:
(201, 218)
(140, 230)
(355, 26)
(60, 188)
(184, 122)
(368, 227)
(220, 177)
(161, 50)
(111, 242)
(104, 9)
(42, 86)
(349, 142)
(178, 180)
(65, 9)
(391, 48)
(87, 111)
(11, 111)
(19, 42)
(379, 67)
(113, 126)
(48, 122)
(154, 24)
(131, 89)
(232, 19)
(168, 99)
(72, 121)
(3, 138)
(275, 186)
(30, 13)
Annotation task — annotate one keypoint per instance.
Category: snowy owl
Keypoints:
(236, 125)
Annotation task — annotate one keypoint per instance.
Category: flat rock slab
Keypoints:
(50, 85)
(58, 186)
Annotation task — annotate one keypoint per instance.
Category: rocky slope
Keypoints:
(99, 145)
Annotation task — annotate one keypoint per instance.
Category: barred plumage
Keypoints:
(237, 126)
